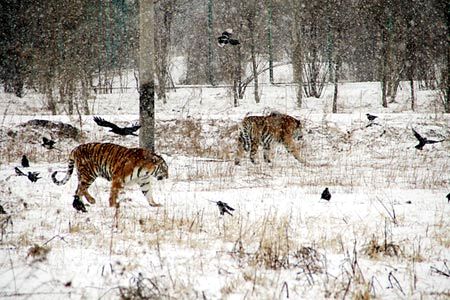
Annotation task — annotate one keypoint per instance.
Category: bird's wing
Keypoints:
(45, 140)
(104, 123)
(434, 141)
(417, 135)
(19, 172)
(133, 128)
(229, 207)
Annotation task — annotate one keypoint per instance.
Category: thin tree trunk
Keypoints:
(146, 75)
(297, 52)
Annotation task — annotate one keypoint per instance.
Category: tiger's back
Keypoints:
(116, 163)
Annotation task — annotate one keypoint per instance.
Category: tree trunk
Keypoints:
(146, 75)
(297, 52)
(251, 27)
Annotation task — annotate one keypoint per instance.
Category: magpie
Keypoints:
(48, 143)
(448, 197)
(32, 176)
(25, 163)
(423, 140)
(78, 204)
(116, 129)
(326, 195)
(371, 118)
(225, 38)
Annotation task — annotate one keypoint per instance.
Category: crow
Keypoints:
(423, 140)
(32, 176)
(371, 118)
(448, 197)
(2, 211)
(225, 38)
(116, 129)
(326, 194)
(25, 162)
(78, 205)
(48, 143)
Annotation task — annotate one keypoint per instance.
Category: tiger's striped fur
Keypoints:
(116, 163)
(266, 130)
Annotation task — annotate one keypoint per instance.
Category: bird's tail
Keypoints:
(68, 174)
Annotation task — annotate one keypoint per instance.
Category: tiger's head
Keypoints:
(161, 170)
(298, 130)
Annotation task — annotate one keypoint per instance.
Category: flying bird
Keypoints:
(116, 129)
(225, 38)
(326, 194)
(25, 163)
(2, 211)
(48, 143)
(423, 140)
(32, 176)
(448, 197)
(78, 205)
(224, 208)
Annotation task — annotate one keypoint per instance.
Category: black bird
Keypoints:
(32, 176)
(371, 118)
(116, 129)
(78, 205)
(225, 38)
(48, 143)
(2, 211)
(423, 140)
(448, 197)
(326, 194)
(223, 207)
(25, 162)
(19, 172)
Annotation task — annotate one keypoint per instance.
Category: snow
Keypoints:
(383, 189)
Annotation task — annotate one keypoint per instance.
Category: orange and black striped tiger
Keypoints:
(118, 164)
(265, 130)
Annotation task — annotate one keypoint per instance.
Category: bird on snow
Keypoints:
(225, 38)
(448, 197)
(48, 143)
(116, 129)
(223, 207)
(2, 211)
(326, 195)
(423, 140)
(371, 118)
(78, 205)
(32, 176)
(25, 163)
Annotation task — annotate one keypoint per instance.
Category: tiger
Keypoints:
(266, 130)
(118, 164)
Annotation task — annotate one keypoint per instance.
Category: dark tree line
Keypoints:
(67, 49)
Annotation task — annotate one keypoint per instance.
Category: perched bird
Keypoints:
(225, 38)
(223, 207)
(78, 205)
(423, 140)
(326, 194)
(371, 118)
(32, 176)
(48, 143)
(2, 211)
(25, 163)
(448, 197)
(116, 129)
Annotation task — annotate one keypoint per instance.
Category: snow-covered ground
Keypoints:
(384, 233)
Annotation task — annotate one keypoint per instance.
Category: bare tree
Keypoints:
(146, 74)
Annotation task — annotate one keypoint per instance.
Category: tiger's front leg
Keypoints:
(146, 188)
(267, 153)
(295, 151)
(253, 150)
(116, 187)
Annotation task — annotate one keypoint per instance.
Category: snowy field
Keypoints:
(384, 233)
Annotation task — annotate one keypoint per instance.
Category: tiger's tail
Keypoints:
(68, 173)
